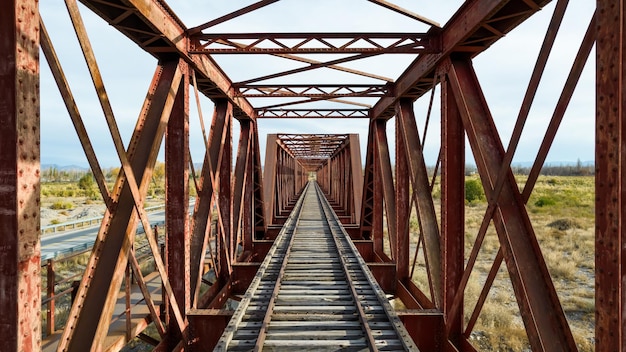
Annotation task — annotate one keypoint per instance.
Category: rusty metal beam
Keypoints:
(208, 183)
(309, 68)
(357, 176)
(169, 36)
(541, 311)
(312, 113)
(610, 176)
(231, 15)
(260, 220)
(91, 312)
(72, 108)
(452, 211)
(20, 282)
(225, 240)
(405, 12)
(463, 32)
(269, 176)
(403, 203)
(326, 91)
(313, 43)
(409, 135)
(177, 240)
(240, 184)
(332, 67)
(386, 178)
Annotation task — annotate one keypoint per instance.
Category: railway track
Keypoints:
(314, 292)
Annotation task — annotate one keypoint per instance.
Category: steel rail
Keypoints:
(371, 341)
(287, 230)
(397, 324)
(272, 302)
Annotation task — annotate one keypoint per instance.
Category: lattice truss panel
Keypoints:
(430, 265)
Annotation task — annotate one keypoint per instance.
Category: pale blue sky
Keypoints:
(504, 71)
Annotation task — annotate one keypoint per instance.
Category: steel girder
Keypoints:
(610, 176)
(541, 310)
(325, 91)
(291, 159)
(178, 237)
(313, 113)
(20, 283)
(340, 176)
(284, 178)
(318, 43)
(97, 293)
(155, 28)
(452, 214)
(472, 30)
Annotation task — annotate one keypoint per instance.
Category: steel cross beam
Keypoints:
(326, 91)
(156, 29)
(312, 113)
(313, 43)
(465, 32)
(97, 293)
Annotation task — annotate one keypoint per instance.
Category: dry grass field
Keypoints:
(561, 210)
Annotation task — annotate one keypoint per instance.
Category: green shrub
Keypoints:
(545, 201)
(413, 224)
(474, 191)
(61, 205)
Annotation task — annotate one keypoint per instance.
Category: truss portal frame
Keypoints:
(249, 202)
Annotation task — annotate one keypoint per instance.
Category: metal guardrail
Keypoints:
(68, 284)
(86, 246)
(51, 229)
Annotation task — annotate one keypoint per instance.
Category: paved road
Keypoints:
(79, 240)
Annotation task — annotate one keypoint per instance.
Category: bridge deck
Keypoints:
(314, 292)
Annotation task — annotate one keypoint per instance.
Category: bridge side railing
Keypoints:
(68, 285)
(71, 225)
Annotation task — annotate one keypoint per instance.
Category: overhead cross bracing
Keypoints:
(407, 221)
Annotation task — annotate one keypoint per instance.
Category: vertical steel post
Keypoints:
(386, 177)
(367, 214)
(357, 177)
(177, 202)
(610, 176)
(452, 209)
(239, 183)
(225, 201)
(260, 220)
(208, 187)
(422, 195)
(51, 280)
(20, 283)
(403, 206)
(377, 198)
(270, 185)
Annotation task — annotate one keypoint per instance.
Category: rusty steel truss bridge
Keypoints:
(214, 283)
